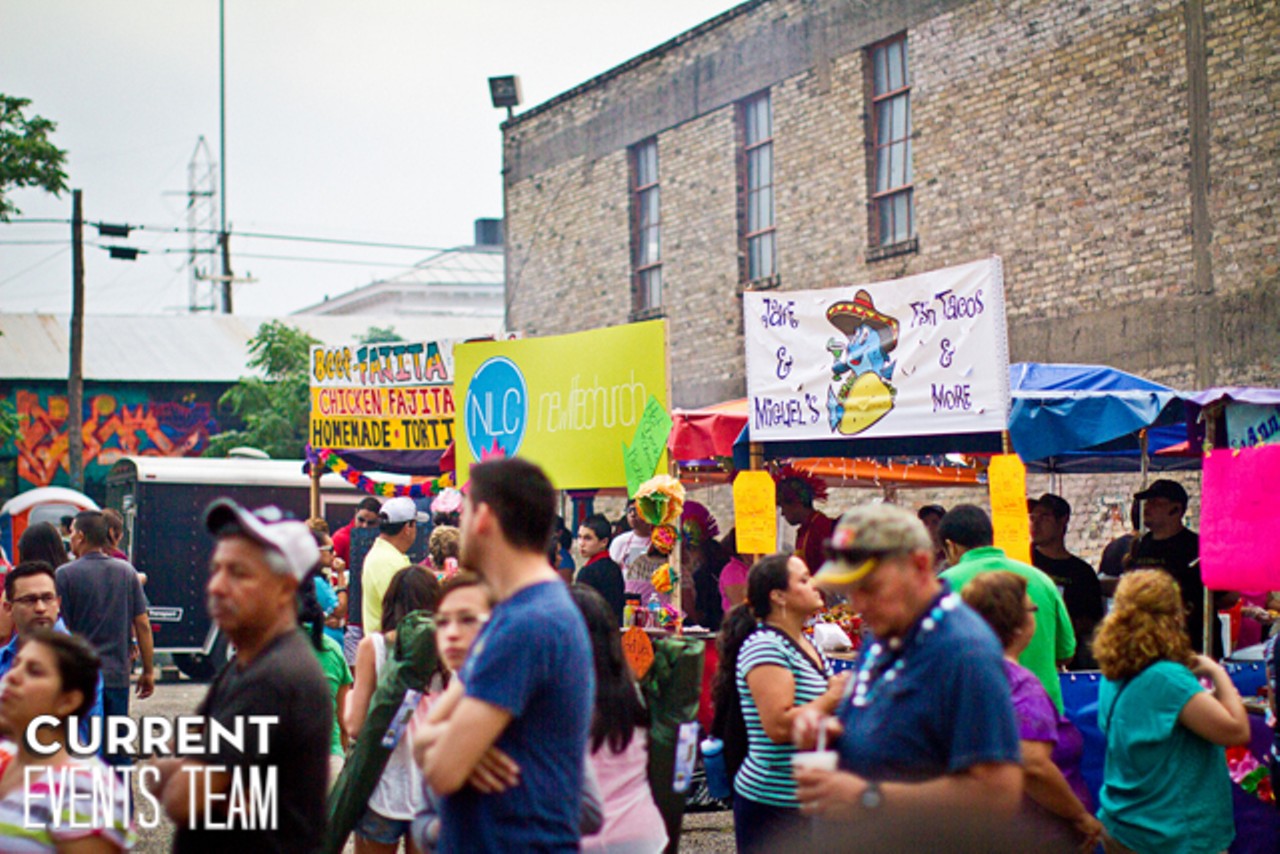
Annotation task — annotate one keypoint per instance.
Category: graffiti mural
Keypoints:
(115, 426)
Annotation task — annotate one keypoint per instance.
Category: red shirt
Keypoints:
(811, 540)
(342, 543)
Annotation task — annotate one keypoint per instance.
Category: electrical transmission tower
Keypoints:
(202, 227)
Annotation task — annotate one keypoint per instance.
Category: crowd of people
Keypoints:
(481, 700)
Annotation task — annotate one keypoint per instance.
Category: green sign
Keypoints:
(645, 451)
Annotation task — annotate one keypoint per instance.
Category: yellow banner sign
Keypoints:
(382, 434)
(1007, 478)
(566, 402)
(382, 397)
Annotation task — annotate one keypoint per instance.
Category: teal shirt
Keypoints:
(1054, 639)
(1165, 788)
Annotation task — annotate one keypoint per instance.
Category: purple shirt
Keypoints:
(1039, 720)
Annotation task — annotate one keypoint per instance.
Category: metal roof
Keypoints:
(185, 348)
(457, 282)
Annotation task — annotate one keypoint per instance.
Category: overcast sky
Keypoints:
(368, 120)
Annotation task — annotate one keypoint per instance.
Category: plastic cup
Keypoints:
(822, 760)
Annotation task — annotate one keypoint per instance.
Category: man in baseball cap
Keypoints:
(1081, 590)
(397, 530)
(930, 701)
(1170, 546)
(258, 563)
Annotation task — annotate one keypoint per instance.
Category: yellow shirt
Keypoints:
(380, 565)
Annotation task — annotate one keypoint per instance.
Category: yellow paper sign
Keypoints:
(1007, 479)
(754, 513)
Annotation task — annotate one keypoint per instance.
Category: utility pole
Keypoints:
(75, 378)
(227, 279)
(223, 237)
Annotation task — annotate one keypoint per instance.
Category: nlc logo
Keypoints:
(496, 411)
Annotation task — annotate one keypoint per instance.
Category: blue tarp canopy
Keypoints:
(1087, 418)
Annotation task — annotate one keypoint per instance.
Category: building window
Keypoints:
(892, 210)
(757, 182)
(647, 233)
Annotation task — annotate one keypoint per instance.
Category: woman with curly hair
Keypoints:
(1165, 787)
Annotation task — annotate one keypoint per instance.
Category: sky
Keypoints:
(366, 121)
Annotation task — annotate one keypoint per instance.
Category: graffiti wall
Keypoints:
(118, 422)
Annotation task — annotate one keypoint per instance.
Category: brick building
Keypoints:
(1123, 156)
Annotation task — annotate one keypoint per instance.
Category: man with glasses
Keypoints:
(628, 546)
(31, 602)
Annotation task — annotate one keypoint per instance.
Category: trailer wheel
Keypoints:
(201, 667)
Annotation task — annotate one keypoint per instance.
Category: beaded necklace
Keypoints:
(871, 672)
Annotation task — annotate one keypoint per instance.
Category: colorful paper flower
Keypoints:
(664, 579)
(660, 500)
(663, 539)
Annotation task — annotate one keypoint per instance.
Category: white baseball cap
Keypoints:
(402, 509)
(267, 526)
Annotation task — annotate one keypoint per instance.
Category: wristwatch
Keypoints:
(872, 798)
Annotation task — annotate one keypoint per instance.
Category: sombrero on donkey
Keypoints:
(848, 315)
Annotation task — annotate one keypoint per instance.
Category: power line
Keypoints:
(258, 235)
(40, 263)
(340, 242)
(319, 260)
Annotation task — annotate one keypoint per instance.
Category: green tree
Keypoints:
(276, 406)
(381, 335)
(27, 157)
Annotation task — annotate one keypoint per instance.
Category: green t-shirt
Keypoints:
(337, 674)
(1054, 639)
(1165, 788)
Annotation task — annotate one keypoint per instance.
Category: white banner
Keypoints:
(921, 356)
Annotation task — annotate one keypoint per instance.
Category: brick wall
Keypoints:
(1055, 134)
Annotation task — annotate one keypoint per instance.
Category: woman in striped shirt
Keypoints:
(768, 672)
(56, 802)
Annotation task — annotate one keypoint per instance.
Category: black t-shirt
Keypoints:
(1082, 593)
(1175, 555)
(1113, 556)
(285, 681)
(605, 577)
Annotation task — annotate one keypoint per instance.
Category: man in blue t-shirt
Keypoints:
(505, 744)
(927, 726)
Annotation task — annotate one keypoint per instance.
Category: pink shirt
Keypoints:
(734, 572)
(630, 816)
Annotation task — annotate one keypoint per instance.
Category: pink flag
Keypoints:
(1239, 549)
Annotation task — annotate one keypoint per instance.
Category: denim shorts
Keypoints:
(376, 827)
